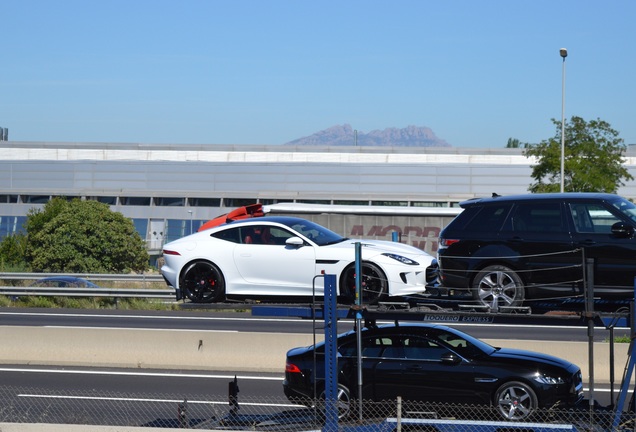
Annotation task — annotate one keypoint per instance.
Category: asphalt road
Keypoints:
(133, 397)
(151, 397)
(244, 321)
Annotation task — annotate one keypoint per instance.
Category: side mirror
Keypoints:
(451, 359)
(294, 242)
(622, 230)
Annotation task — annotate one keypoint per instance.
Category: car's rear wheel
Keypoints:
(374, 284)
(498, 285)
(516, 401)
(203, 282)
(343, 401)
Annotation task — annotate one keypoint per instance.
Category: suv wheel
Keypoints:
(496, 286)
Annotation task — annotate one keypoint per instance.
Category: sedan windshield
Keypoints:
(316, 233)
(626, 207)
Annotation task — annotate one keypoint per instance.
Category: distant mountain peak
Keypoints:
(344, 135)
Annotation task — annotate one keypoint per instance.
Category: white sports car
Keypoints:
(280, 256)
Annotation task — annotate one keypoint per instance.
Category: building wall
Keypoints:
(167, 189)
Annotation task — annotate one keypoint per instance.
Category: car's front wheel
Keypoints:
(374, 284)
(203, 282)
(498, 285)
(516, 401)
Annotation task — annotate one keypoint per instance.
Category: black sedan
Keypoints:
(433, 363)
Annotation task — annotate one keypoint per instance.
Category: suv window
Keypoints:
(489, 219)
(537, 217)
(592, 218)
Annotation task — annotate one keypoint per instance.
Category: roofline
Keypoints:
(538, 196)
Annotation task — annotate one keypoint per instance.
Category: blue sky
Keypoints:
(271, 71)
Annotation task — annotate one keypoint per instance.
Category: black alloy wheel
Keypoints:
(374, 284)
(203, 282)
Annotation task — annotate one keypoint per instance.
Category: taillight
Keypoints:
(291, 368)
(170, 252)
(447, 242)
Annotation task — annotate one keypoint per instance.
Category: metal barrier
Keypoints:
(88, 276)
(167, 293)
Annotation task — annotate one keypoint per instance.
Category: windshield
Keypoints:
(625, 207)
(316, 233)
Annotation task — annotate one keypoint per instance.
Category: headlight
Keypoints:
(402, 259)
(547, 379)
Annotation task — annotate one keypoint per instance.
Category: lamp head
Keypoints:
(563, 52)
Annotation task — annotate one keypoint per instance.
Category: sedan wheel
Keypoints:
(203, 282)
(497, 286)
(343, 401)
(374, 284)
(516, 401)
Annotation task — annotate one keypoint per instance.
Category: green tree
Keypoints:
(12, 253)
(83, 236)
(515, 143)
(593, 159)
(37, 219)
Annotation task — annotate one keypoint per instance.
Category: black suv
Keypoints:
(509, 249)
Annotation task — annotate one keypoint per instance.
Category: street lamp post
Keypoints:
(190, 212)
(564, 54)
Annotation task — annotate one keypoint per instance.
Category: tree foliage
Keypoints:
(83, 237)
(515, 143)
(593, 159)
(12, 253)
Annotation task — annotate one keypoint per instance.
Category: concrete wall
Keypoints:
(221, 351)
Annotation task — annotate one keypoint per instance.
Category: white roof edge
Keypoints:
(360, 209)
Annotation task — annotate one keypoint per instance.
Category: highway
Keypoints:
(243, 321)
(148, 394)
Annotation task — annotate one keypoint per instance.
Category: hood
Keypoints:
(521, 356)
(375, 247)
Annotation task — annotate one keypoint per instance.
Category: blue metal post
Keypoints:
(331, 355)
(359, 323)
(618, 411)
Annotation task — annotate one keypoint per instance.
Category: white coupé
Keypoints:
(280, 256)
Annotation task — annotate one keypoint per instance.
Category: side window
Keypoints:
(419, 348)
(231, 235)
(592, 218)
(537, 217)
(489, 219)
(382, 346)
(265, 235)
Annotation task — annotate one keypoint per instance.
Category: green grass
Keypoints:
(87, 303)
(622, 339)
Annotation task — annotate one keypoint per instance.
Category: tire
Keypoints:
(496, 286)
(343, 401)
(203, 282)
(516, 401)
(374, 284)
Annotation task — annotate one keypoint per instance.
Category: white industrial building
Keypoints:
(169, 190)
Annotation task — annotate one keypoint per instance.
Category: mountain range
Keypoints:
(345, 135)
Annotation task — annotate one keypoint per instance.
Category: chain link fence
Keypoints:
(30, 405)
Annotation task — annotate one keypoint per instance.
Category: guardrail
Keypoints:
(167, 293)
(16, 291)
(88, 276)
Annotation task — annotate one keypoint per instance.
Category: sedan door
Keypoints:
(276, 269)
(433, 373)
